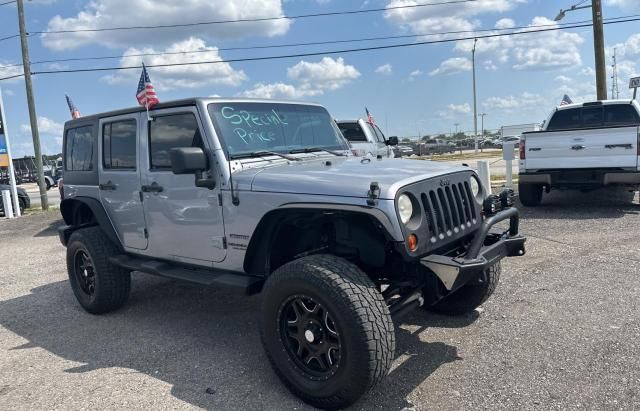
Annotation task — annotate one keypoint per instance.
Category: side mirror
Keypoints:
(392, 141)
(187, 160)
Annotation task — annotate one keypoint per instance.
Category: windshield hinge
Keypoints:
(220, 199)
(373, 194)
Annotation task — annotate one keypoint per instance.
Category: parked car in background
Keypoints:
(436, 146)
(515, 140)
(403, 150)
(367, 139)
(582, 146)
(23, 198)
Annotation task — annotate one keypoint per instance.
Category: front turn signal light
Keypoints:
(412, 242)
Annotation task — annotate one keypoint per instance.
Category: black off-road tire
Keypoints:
(112, 283)
(361, 319)
(530, 194)
(22, 204)
(470, 296)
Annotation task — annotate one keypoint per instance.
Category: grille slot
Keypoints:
(450, 210)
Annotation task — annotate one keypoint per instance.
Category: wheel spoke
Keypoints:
(329, 325)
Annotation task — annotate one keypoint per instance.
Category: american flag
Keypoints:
(566, 100)
(370, 119)
(146, 94)
(72, 108)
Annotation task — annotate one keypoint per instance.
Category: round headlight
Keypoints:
(475, 186)
(405, 208)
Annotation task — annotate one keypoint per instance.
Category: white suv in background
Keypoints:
(366, 139)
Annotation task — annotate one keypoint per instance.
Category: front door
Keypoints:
(120, 179)
(184, 221)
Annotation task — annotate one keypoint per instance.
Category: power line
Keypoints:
(315, 43)
(9, 37)
(299, 16)
(8, 2)
(329, 52)
(391, 46)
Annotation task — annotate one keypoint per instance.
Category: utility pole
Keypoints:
(456, 124)
(32, 107)
(475, 106)
(598, 46)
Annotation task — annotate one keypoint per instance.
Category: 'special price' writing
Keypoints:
(252, 127)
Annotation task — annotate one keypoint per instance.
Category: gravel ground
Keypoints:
(561, 332)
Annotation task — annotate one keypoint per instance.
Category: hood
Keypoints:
(20, 190)
(338, 176)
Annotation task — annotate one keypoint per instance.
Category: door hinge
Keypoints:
(220, 199)
(141, 196)
(146, 233)
(224, 243)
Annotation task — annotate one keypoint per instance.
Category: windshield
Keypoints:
(259, 127)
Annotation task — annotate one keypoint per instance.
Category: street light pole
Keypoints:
(475, 107)
(598, 44)
(32, 107)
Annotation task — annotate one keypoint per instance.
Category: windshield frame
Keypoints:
(343, 144)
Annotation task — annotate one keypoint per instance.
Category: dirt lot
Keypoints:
(562, 331)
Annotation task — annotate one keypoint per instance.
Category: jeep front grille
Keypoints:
(449, 210)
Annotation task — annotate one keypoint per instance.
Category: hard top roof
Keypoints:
(184, 102)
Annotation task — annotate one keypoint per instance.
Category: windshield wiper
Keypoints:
(261, 154)
(316, 149)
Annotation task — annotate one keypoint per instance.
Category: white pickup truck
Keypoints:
(582, 146)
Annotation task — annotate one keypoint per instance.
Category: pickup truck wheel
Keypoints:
(326, 330)
(98, 285)
(530, 194)
(470, 296)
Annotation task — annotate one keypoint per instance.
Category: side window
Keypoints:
(566, 119)
(172, 131)
(620, 115)
(79, 149)
(592, 117)
(119, 145)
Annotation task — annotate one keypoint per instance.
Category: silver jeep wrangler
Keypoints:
(265, 195)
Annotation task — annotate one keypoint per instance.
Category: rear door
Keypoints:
(586, 137)
(119, 180)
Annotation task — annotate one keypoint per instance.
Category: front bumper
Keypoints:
(486, 249)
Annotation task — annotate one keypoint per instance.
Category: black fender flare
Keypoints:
(262, 236)
(68, 208)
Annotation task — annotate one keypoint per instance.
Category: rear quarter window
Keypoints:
(79, 149)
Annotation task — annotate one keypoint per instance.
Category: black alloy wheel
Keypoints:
(84, 271)
(310, 336)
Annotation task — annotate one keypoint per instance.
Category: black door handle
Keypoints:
(152, 188)
(108, 186)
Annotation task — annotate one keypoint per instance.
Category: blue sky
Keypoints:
(424, 88)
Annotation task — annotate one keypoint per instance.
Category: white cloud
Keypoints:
(489, 65)
(445, 17)
(505, 24)
(511, 103)
(123, 13)
(587, 71)
(311, 79)
(45, 126)
(8, 69)
(8, 93)
(384, 69)
(452, 66)
(175, 77)
(563, 79)
(327, 74)
(416, 73)
(624, 4)
(459, 108)
(540, 50)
